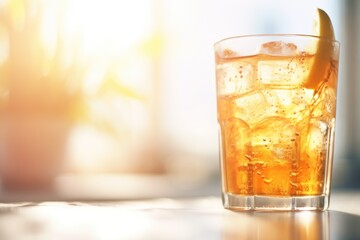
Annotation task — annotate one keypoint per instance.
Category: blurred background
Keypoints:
(115, 99)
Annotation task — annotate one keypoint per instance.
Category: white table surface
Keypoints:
(150, 208)
(169, 218)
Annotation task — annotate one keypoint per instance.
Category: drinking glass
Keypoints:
(276, 106)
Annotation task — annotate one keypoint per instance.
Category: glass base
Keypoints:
(274, 203)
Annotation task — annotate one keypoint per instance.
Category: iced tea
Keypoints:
(276, 132)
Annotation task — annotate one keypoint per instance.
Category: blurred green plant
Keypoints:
(44, 78)
(35, 79)
(42, 71)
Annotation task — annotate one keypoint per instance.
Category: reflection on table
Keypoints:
(199, 218)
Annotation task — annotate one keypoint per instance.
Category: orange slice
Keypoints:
(323, 29)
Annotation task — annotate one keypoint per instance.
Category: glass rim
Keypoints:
(290, 35)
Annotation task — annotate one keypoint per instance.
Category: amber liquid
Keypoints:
(276, 135)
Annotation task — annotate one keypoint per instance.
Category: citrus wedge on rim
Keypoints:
(323, 54)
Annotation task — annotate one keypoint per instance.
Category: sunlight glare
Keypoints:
(107, 38)
(109, 27)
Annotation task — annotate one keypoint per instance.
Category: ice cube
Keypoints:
(237, 135)
(252, 107)
(284, 66)
(313, 133)
(277, 135)
(287, 73)
(292, 104)
(236, 138)
(235, 76)
(279, 48)
(228, 53)
(314, 137)
(257, 105)
(317, 138)
(274, 150)
(324, 105)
